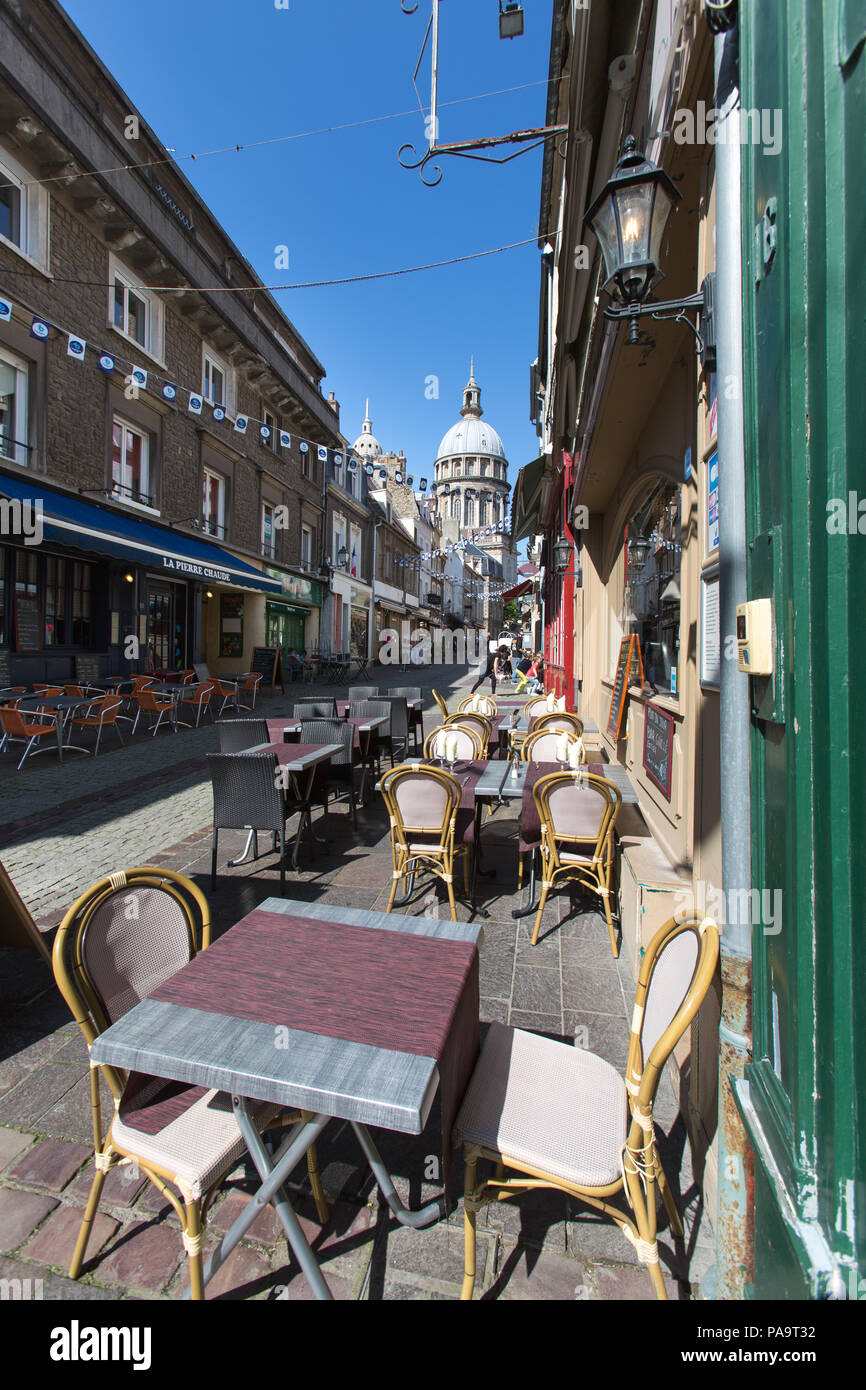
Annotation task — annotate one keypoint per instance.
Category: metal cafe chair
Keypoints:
(251, 685)
(106, 714)
(577, 812)
(416, 716)
(198, 698)
(427, 829)
(106, 959)
(236, 735)
(315, 709)
(20, 729)
(151, 704)
(549, 1115)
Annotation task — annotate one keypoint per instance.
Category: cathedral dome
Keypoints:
(471, 435)
(367, 446)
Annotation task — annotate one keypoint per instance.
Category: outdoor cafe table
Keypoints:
(362, 742)
(63, 706)
(297, 761)
(374, 1012)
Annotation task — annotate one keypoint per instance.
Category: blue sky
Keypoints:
(209, 73)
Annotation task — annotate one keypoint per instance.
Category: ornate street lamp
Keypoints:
(629, 218)
(562, 553)
(638, 552)
(510, 19)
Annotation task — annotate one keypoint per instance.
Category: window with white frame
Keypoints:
(24, 215)
(14, 434)
(306, 547)
(135, 312)
(215, 379)
(339, 536)
(269, 535)
(270, 420)
(213, 503)
(130, 463)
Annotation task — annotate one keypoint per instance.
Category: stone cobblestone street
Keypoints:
(62, 828)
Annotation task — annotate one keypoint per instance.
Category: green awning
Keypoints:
(526, 502)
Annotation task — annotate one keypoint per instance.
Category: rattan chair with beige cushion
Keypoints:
(538, 705)
(478, 704)
(468, 743)
(563, 721)
(428, 830)
(549, 1114)
(544, 746)
(119, 942)
(479, 723)
(577, 812)
(441, 703)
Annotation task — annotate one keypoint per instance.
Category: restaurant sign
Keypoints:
(197, 571)
(297, 588)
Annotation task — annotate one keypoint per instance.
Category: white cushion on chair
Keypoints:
(199, 1145)
(546, 1105)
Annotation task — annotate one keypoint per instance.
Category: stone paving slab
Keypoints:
(151, 802)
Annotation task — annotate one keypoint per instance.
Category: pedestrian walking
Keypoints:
(497, 667)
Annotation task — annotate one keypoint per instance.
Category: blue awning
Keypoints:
(98, 530)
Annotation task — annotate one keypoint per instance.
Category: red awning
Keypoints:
(519, 590)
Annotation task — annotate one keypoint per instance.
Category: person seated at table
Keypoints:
(296, 664)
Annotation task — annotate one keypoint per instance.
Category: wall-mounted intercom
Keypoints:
(756, 642)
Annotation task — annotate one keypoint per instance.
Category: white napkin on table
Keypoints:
(551, 702)
(452, 747)
(562, 748)
(576, 754)
(442, 744)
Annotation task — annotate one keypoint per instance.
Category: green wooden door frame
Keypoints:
(804, 1098)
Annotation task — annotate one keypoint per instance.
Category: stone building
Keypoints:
(172, 429)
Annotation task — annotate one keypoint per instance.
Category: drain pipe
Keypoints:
(734, 1222)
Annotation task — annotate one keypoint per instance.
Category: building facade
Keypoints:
(172, 429)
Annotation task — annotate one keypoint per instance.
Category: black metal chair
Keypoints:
(248, 795)
(340, 771)
(315, 709)
(236, 735)
(363, 692)
(416, 716)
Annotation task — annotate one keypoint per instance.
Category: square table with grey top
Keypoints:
(365, 727)
(297, 761)
(272, 1012)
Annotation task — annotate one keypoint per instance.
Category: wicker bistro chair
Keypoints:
(237, 735)
(577, 812)
(538, 705)
(105, 714)
(543, 745)
(119, 942)
(478, 723)
(428, 830)
(553, 1115)
(340, 770)
(28, 728)
(383, 738)
(469, 745)
(197, 697)
(152, 705)
(441, 703)
(248, 795)
(363, 692)
(315, 709)
(416, 716)
(562, 721)
(486, 705)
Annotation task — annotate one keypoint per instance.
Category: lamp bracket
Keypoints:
(667, 310)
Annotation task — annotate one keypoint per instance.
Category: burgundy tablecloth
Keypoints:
(530, 826)
(387, 989)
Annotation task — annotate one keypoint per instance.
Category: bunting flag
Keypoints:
(285, 440)
(352, 463)
(265, 433)
(219, 414)
(139, 377)
(196, 405)
(5, 311)
(369, 470)
(304, 447)
(39, 329)
(323, 454)
(76, 348)
(106, 363)
(169, 391)
(338, 460)
(241, 424)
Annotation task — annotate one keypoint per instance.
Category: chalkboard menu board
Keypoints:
(28, 623)
(268, 663)
(658, 747)
(629, 668)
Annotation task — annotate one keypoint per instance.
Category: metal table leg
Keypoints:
(273, 1173)
(533, 905)
(425, 1216)
(476, 864)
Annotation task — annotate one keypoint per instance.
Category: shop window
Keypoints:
(651, 606)
(214, 503)
(130, 464)
(135, 312)
(82, 604)
(14, 378)
(55, 618)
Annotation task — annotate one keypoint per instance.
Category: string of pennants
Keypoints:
(144, 379)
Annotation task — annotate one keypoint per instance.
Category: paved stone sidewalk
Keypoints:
(569, 986)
